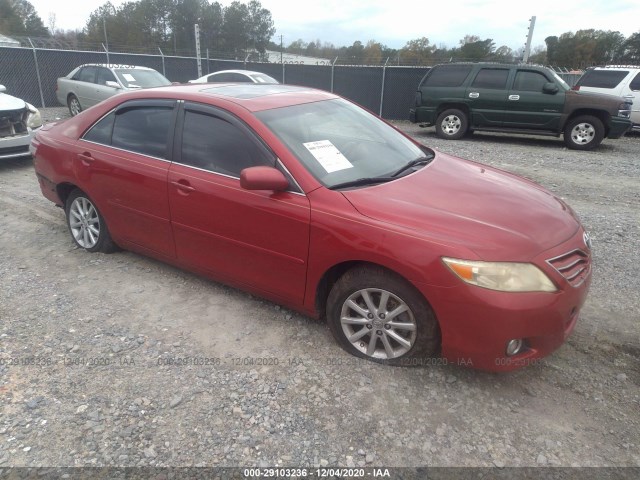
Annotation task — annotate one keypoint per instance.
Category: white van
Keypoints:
(619, 80)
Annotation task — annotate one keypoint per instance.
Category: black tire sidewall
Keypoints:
(428, 336)
(464, 127)
(597, 126)
(104, 243)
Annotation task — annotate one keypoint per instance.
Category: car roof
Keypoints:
(246, 72)
(115, 65)
(251, 96)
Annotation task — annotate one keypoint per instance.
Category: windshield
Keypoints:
(339, 142)
(138, 78)
(262, 78)
(565, 85)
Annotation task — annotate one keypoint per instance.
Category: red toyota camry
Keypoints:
(304, 198)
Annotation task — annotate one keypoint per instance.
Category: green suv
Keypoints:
(459, 98)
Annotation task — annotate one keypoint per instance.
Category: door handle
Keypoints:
(514, 97)
(85, 158)
(184, 186)
(474, 95)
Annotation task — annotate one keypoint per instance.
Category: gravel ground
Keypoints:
(119, 360)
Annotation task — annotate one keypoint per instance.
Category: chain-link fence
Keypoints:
(31, 74)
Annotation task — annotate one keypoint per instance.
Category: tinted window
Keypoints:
(491, 78)
(214, 144)
(602, 78)
(635, 83)
(220, 77)
(101, 131)
(238, 77)
(143, 130)
(450, 76)
(104, 76)
(87, 74)
(529, 81)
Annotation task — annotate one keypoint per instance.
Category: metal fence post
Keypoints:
(333, 65)
(35, 59)
(384, 74)
(162, 56)
(106, 50)
(245, 62)
(283, 73)
(208, 67)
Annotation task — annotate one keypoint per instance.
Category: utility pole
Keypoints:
(527, 47)
(197, 33)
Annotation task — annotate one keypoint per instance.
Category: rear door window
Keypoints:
(87, 74)
(143, 129)
(450, 76)
(602, 78)
(492, 78)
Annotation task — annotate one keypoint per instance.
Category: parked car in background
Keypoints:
(459, 98)
(302, 197)
(18, 121)
(618, 80)
(235, 76)
(90, 84)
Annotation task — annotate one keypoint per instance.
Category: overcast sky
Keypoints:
(393, 23)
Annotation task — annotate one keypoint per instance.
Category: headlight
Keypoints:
(34, 120)
(502, 276)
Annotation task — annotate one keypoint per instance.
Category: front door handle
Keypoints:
(183, 186)
(85, 158)
(474, 95)
(514, 97)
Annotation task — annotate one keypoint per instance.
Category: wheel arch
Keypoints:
(331, 276)
(63, 190)
(601, 115)
(448, 105)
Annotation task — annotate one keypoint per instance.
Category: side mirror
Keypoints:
(263, 178)
(111, 83)
(2, 88)
(550, 88)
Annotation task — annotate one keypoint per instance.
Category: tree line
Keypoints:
(248, 28)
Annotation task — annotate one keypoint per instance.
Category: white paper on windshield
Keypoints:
(328, 156)
(128, 77)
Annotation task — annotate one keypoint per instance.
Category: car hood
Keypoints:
(497, 215)
(8, 102)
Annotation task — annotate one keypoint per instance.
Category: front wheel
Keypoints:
(583, 133)
(452, 124)
(74, 105)
(374, 314)
(86, 225)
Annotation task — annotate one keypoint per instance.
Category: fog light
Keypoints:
(514, 346)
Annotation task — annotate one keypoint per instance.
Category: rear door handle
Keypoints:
(514, 97)
(184, 186)
(85, 158)
(474, 95)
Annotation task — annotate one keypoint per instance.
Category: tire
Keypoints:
(86, 224)
(583, 133)
(452, 124)
(359, 295)
(74, 105)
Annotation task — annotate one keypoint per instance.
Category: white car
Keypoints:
(618, 80)
(235, 76)
(89, 84)
(18, 121)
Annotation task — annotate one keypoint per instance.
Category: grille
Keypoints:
(12, 123)
(574, 266)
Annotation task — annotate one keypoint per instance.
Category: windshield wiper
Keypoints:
(361, 181)
(412, 164)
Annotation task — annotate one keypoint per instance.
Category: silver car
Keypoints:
(18, 121)
(89, 84)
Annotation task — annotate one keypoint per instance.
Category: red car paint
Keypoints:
(283, 245)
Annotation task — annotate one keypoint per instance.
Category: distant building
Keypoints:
(291, 58)
(8, 42)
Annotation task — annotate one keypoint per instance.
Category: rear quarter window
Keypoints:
(602, 78)
(450, 76)
(635, 83)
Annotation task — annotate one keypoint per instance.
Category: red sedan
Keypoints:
(304, 198)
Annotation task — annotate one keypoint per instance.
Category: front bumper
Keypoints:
(15, 146)
(619, 126)
(477, 323)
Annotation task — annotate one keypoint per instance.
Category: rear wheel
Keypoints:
(452, 124)
(74, 105)
(86, 225)
(583, 133)
(377, 315)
